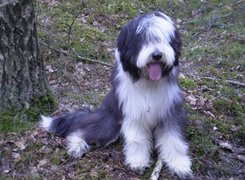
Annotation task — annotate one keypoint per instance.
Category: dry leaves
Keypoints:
(241, 157)
(20, 144)
(225, 145)
(16, 156)
(42, 163)
(198, 102)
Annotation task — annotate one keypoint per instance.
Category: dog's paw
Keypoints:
(181, 166)
(138, 170)
(138, 165)
(76, 145)
(186, 176)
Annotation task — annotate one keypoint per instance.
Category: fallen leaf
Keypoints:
(16, 157)
(33, 169)
(182, 76)
(200, 101)
(241, 157)
(53, 168)
(20, 145)
(209, 113)
(225, 145)
(6, 171)
(88, 69)
(191, 99)
(49, 68)
(2, 142)
(215, 128)
(234, 128)
(15, 150)
(93, 173)
(209, 105)
(44, 141)
(45, 149)
(34, 133)
(42, 163)
(178, 21)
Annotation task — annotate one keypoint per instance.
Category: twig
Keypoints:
(91, 60)
(157, 170)
(237, 3)
(232, 82)
(70, 29)
(76, 55)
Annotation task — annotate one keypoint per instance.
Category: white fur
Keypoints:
(145, 55)
(76, 145)
(159, 33)
(163, 27)
(138, 144)
(173, 150)
(144, 103)
(46, 122)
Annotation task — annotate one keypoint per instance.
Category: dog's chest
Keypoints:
(144, 101)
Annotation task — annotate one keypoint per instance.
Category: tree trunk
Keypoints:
(23, 83)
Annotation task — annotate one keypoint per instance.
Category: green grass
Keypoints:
(188, 83)
(14, 122)
(57, 157)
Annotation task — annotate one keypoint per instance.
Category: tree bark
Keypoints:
(22, 74)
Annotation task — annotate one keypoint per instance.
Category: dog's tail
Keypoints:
(65, 124)
(85, 127)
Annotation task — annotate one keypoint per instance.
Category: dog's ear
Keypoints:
(129, 44)
(176, 44)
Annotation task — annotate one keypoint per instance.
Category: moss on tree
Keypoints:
(13, 120)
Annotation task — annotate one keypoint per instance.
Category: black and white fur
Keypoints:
(145, 109)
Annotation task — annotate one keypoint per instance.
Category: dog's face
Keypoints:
(149, 46)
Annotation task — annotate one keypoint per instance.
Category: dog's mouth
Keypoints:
(155, 70)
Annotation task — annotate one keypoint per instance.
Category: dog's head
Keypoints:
(149, 46)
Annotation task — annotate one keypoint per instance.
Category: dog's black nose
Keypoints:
(156, 55)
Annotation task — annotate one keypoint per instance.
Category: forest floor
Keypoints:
(72, 33)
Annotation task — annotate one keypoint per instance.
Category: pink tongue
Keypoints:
(155, 71)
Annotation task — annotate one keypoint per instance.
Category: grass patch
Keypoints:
(240, 135)
(12, 120)
(200, 142)
(229, 107)
(92, 44)
(56, 158)
(188, 83)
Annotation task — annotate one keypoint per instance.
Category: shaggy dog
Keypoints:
(144, 105)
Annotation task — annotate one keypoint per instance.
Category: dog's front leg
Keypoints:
(173, 150)
(138, 145)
